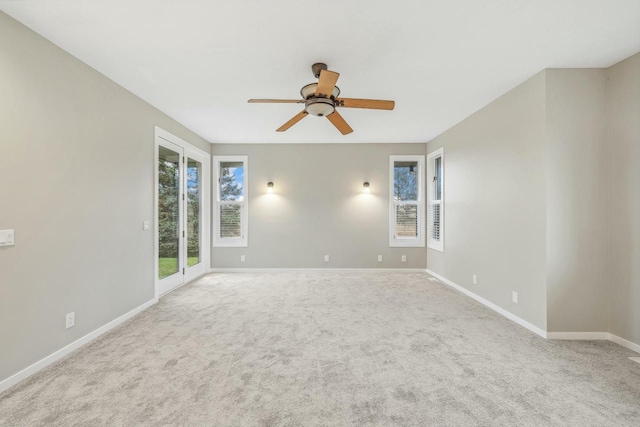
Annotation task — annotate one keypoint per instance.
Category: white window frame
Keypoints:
(419, 240)
(437, 245)
(244, 226)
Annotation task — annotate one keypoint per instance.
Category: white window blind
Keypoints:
(406, 220)
(230, 220)
(435, 197)
(434, 221)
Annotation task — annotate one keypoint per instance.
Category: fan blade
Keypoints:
(339, 122)
(301, 115)
(375, 104)
(326, 83)
(275, 101)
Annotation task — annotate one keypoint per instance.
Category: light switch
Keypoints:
(6, 238)
(146, 225)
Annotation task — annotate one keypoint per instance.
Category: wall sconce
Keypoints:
(367, 190)
(270, 187)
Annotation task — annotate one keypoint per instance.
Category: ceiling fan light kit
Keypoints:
(321, 99)
(319, 107)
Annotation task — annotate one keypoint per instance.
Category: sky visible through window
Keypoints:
(232, 181)
(238, 174)
(405, 183)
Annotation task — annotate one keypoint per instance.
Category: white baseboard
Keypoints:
(313, 270)
(491, 305)
(625, 343)
(592, 336)
(585, 336)
(41, 364)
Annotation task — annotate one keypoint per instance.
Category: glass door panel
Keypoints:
(194, 220)
(168, 212)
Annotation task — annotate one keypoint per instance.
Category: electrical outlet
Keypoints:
(514, 297)
(404, 258)
(379, 258)
(70, 319)
(475, 279)
(326, 258)
(242, 258)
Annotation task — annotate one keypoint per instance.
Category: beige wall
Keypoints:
(559, 157)
(495, 202)
(76, 182)
(624, 197)
(318, 207)
(576, 262)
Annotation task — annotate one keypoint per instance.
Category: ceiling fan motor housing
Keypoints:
(310, 90)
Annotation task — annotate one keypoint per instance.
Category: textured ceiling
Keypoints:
(199, 61)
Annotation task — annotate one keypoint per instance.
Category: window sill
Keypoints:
(439, 248)
(397, 244)
(230, 245)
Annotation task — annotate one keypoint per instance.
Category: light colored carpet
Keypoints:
(328, 349)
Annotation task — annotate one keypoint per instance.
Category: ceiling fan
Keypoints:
(321, 99)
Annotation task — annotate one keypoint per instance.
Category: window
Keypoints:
(435, 179)
(231, 200)
(406, 201)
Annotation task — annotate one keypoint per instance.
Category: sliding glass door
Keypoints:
(181, 214)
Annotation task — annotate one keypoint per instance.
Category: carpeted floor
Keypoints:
(328, 349)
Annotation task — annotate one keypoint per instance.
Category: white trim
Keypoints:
(161, 133)
(491, 305)
(587, 336)
(625, 343)
(243, 241)
(54, 357)
(293, 270)
(407, 242)
(156, 197)
(592, 336)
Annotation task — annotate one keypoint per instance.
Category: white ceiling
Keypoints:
(440, 60)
